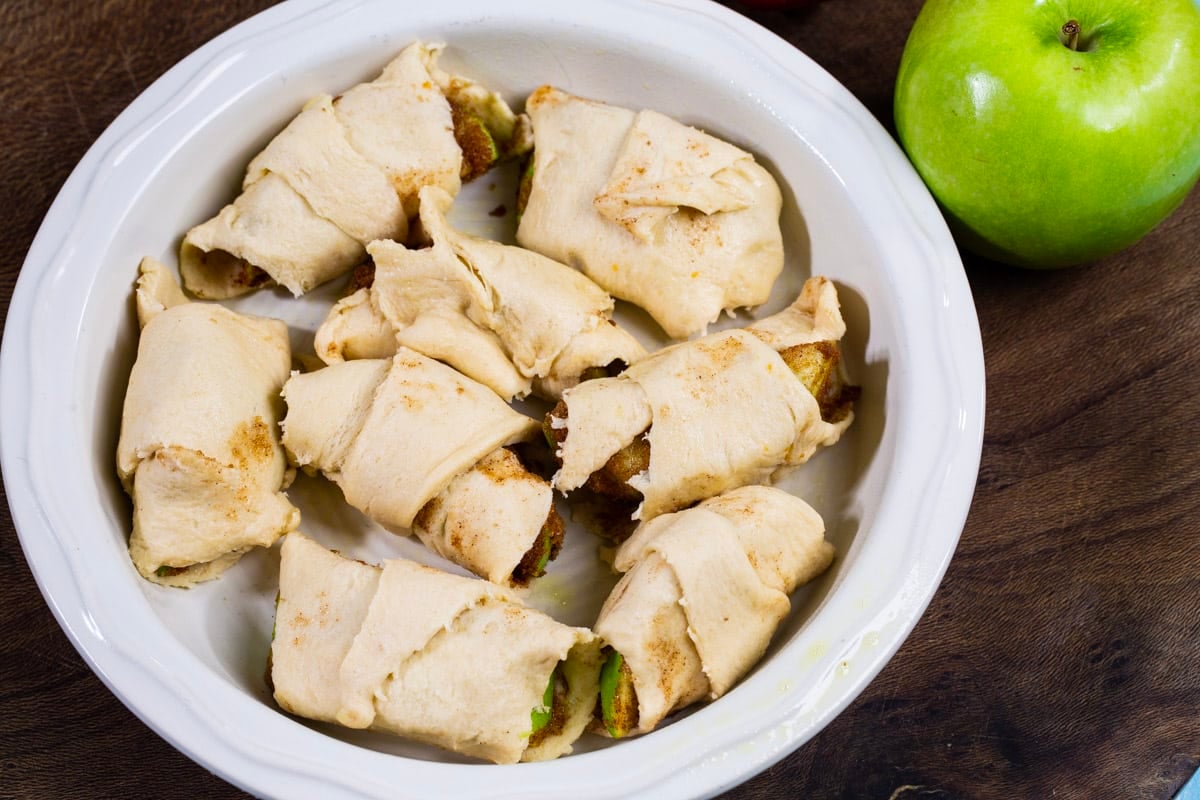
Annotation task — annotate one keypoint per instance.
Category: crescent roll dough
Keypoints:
(660, 214)
(718, 412)
(344, 172)
(703, 592)
(509, 318)
(415, 445)
(199, 452)
(450, 661)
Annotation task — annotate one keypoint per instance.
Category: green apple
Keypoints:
(1053, 132)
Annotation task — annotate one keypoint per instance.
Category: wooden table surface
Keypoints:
(1061, 655)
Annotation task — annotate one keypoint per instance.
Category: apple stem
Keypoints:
(1070, 31)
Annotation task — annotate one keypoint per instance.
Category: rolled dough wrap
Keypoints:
(450, 661)
(721, 411)
(507, 317)
(344, 172)
(417, 446)
(484, 519)
(703, 592)
(657, 213)
(199, 452)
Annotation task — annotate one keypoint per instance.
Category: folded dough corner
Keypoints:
(199, 449)
(454, 662)
(658, 213)
(415, 445)
(344, 172)
(703, 591)
(510, 318)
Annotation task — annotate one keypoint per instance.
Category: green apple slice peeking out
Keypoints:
(547, 546)
(618, 698)
(543, 550)
(541, 715)
(479, 148)
(525, 186)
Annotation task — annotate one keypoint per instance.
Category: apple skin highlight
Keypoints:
(1044, 156)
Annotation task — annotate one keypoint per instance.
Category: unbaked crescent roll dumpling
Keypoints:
(344, 172)
(454, 662)
(199, 450)
(418, 447)
(508, 317)
(702, 594)
(658, 213)
(701, 417)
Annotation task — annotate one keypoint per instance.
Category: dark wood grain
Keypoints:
(1061, 655)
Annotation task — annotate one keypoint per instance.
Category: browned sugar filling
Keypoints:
(478, 147)
(610, 370)
(546, 548)
(603, 504)
(818, 366)
(363, 277)
(611, 480)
